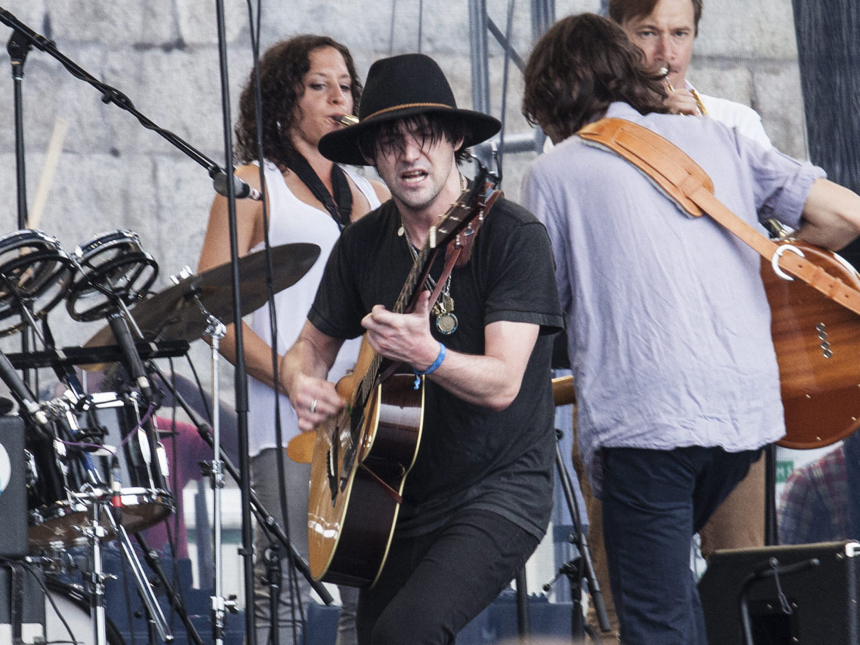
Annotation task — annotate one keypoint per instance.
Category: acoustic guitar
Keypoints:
(362, 456)
(817, 344)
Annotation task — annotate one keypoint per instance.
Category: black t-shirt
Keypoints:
(498, 461)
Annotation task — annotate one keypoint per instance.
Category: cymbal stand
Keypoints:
(216, 331)
(95, 532)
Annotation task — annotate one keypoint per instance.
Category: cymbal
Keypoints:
(173, 314)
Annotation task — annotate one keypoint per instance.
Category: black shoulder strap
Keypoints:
(339, 206)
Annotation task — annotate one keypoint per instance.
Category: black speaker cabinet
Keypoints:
(823, 598)
(13, 492)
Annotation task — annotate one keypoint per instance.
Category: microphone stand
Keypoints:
(18, 48)
(581, 566)
(174, 599)
(22, 39)
(240, 375)
(25, 37)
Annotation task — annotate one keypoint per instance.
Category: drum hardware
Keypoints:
(216, 330)
(113, 271)
(153, 609)
(265, 520)
(95, 532)
(77, 464)
(35, 275)
(95, 355)
(173, 315)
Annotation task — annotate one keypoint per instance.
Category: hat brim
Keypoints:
(341, 146)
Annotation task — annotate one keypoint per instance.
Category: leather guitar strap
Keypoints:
(684, 181)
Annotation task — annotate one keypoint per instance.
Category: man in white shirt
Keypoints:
(665, 30)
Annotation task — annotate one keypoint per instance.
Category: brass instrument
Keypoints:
(702, 109)
(347, 119)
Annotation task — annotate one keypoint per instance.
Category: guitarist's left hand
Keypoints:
(404, 338)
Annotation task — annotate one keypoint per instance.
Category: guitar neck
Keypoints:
(468, 206)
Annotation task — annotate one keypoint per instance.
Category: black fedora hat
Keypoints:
(398, 87)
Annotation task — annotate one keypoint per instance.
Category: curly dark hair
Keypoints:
(282, 68)
(580, 66)
(623, 10)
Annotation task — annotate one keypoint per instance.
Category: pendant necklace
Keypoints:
(443, 308)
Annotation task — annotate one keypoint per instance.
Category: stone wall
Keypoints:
(163, 55)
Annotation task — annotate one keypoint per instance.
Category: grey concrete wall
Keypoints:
(163, 54)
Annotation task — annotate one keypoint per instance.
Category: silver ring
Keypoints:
(313, 407)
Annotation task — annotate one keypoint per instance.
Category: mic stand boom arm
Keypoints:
(112, 95)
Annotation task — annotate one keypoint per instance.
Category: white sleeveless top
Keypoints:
(291, 220)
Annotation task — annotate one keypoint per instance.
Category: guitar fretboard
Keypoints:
(462, 211)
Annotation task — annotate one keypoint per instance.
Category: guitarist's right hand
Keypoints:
(314, 400)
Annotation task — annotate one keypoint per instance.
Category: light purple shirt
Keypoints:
(669, 326)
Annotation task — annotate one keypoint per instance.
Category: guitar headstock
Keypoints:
(471, 204)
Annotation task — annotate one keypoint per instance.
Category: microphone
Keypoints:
(20, 392)
(240, 188)
(115, 491)
(122, 334)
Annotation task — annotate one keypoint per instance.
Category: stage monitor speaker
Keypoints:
(22, 606)
(13, 492)
(823, 598)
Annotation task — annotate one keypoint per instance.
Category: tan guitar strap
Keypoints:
(684, 181)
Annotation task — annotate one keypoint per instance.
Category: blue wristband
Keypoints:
(441, 357)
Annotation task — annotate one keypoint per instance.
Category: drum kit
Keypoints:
(95, 468)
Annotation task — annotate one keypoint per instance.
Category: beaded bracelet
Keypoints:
(441, 357)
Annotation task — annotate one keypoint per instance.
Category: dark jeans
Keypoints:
(653, 503)
(433, 585)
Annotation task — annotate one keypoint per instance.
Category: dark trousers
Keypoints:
(653, 503)
(433, 585)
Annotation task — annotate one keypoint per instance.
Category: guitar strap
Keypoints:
(689, 186)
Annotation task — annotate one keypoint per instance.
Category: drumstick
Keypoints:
(55, 148)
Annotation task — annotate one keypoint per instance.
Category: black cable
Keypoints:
(206, 408)
(173, 536)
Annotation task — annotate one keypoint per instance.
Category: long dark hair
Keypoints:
(282, 70)
(580, 66)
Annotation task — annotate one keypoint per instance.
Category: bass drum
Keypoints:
(71, 603)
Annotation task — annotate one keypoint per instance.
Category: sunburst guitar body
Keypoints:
(360, 462)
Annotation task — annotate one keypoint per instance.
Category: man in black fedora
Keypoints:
(478, 498)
